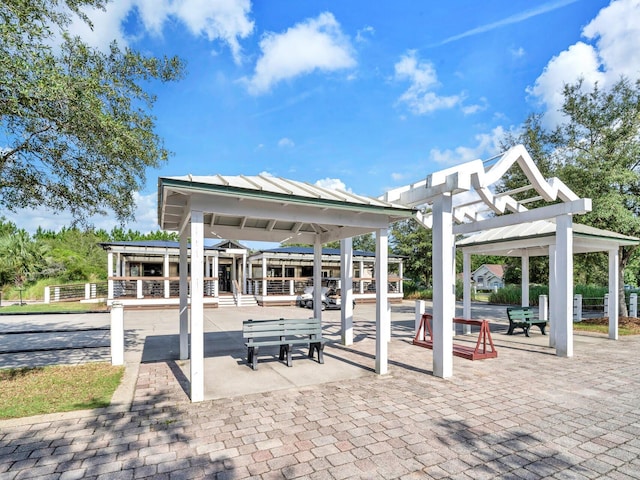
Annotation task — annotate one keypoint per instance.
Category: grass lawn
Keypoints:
(52, 307)
(626, 325)
(34, 391)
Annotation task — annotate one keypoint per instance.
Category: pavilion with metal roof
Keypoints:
(536, 239)
(266, 208)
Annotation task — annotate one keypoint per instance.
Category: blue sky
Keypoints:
(360, 95)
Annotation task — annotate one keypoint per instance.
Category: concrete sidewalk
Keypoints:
(525, 414)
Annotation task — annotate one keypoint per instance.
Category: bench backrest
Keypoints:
(282, 327)
(522, 313)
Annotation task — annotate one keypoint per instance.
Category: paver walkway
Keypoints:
(525, 414)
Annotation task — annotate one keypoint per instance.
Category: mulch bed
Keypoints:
(631, 323)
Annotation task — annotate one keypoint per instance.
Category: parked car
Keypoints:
(331, 299)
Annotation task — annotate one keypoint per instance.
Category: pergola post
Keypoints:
(184, 300)
(443, 286)
(383, 320)
(197, 310)
(614, 305)
(317, 278)
(346, 290)
(525, 278)
(466, 290)
(553, 312)
(110, 275)
(564, 286)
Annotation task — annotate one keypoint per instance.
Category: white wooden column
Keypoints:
(564, 287)
(110, 275)
(317, 278)
(466, 290)
(197, 310)
(614, 306)
(215, 273)
(525, 278)
(264, 276)
(346, 290)
(443, 286)
(383, 320)
(165, 269)
(401, 275)
(184, 292)
(361, 282)
(244, 272)
(553, 297)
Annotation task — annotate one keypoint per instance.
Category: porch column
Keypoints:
(197, 310)
(215, 273)
(553, 297)
(264, 276)
(466, 290)
(110, 275)
(317, 278)
(401, 275)
(165, 268)
(346, 290)
(361, 276)
(244, 272)
(564, 275)
(383, 319)
(614, 306)
(443, 286)
(184, 292)
(525, 278)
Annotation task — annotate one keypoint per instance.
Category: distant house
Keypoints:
(488, 277)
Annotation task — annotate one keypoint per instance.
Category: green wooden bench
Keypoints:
(523, 317)
(285, 333)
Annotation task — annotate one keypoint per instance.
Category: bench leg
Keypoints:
(283, 352)
(289, 360)
(510, 331)
(252, 357)
(319, 347)
(526, 331)
(542, 326)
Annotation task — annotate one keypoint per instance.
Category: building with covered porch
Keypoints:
(147, 273)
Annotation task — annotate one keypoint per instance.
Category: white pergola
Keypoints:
(264, 208)
(462, 200)
(536, 239)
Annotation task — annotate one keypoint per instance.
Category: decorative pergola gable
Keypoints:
(475, 204)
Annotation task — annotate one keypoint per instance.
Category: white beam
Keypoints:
(197, 306)
(443, 287)
(582, 205)
(383, 320)
(346, 290)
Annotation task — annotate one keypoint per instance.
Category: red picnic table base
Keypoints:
(484, 346)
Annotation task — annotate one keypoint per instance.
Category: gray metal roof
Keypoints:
(271, 209)
(535, 237)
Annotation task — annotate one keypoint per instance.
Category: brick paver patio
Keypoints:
(527, 414)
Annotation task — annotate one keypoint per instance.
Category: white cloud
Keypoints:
(614, 32)
(419, 97)
(518, 52)
(286, 143)
(488, 145)
(146, 213)
(364, 33)
(332, 184)
(315, 44)
(223, 20)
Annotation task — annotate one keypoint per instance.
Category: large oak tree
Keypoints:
(76, 130)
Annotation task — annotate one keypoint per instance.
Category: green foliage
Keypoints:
(596, 152)
(76, 123)
(512, 295)
(413, 291)
(414, 242)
